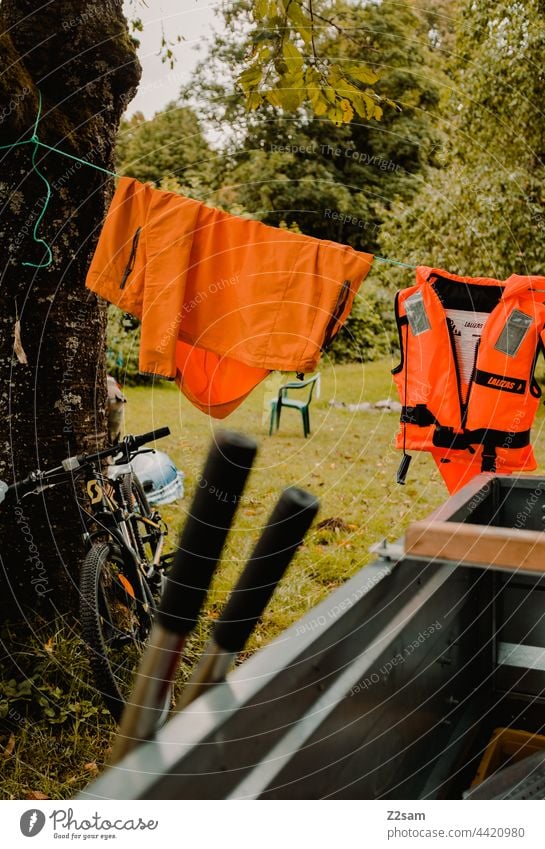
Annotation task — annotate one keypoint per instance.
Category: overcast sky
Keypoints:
(193, 19)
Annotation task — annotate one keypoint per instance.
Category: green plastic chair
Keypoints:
(278, 403)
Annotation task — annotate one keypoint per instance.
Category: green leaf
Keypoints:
(251, 77)
(294, 59)
(359, 105)
(321, 106)
(265, 53)
(273, 97)
(301, 21)
(370, 105)
(362, 73)
(292, 92)
(314, 96)
(254, 100)
(346, 108)
(312, 76)
(335, 114)
(261, 9)
(333, 77)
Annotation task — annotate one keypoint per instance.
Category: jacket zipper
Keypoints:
(457, 371)
(465, 407)
(132, 258)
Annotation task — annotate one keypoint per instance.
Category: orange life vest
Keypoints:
(466, 378)
(223, 300)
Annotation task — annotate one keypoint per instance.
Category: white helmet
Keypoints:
(160, 479)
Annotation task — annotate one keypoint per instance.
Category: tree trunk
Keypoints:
(81, 58)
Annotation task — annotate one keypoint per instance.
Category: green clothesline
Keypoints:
(35, 140)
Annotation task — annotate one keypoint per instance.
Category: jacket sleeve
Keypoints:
(141, 264)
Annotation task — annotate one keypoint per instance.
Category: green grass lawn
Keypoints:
(56, 733)
(349, 462)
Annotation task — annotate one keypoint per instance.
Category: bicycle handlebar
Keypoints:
(123, 449)
(135, 442)
(19, 488)
(128, 446)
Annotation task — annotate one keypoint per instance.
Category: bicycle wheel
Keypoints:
(144, 524)
(114, 621)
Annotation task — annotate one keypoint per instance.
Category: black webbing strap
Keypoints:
(444, 437)
(488, 460)
(418, 415)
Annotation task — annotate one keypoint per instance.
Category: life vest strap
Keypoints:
(488, 460)
(445, 437)
(418, 415)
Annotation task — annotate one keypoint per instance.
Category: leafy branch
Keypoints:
(287, 69)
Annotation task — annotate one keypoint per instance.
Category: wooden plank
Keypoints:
(460, 542)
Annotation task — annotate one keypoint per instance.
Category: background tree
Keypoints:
(481, 208)
(333, 182)
(296, 168)
(53, 403)
(321, 74)
(171, 144)
(330, 181)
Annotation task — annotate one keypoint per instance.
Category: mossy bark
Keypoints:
(81, 58)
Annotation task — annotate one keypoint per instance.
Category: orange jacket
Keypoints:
(466, 378)
(223, 300)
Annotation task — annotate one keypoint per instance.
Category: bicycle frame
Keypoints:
(115, 517)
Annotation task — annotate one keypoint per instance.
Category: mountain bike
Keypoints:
(123, 573)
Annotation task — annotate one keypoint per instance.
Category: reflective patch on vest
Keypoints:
(516, 328)
(416, 314)
(499, 381)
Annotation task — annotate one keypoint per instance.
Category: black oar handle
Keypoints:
(275, 548)
(210, 517)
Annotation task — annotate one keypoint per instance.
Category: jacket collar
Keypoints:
(516, 284)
